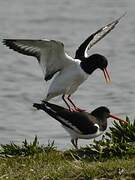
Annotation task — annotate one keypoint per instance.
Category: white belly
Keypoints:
(67, 81)
(78, 135)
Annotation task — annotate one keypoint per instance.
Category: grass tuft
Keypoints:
(112, 157)
(26, 148)
(119, 142)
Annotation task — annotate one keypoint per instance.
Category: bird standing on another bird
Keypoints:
(71, 73)
(81, 125)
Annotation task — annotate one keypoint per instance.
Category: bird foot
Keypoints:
(72, 110)
(76, 109)
(79, 109)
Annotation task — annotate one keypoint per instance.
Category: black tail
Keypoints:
(38, 106)
(57, 112)
(49, 108)
(45, 106)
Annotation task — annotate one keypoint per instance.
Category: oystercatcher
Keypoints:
(71, 72)
(81, 125)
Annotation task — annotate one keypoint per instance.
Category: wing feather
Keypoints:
(79, 122)
(22, 47)
(82, 51)
(50, 53)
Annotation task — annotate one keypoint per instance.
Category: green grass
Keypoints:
(113, 157)
(53, 165)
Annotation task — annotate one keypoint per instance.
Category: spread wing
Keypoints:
(49, 53)
(82, 51)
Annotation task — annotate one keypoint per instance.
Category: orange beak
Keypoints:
(107, 76)
(118, 119)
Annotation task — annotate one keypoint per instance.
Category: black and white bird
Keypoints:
(80, 125)
(71, 72)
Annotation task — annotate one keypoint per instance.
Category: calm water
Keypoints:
(21, 79)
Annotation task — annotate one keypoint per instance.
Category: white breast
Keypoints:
(67, 81)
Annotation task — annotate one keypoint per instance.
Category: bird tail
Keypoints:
(53, 110)
(45, 106)
(39, 106)
(57, 112)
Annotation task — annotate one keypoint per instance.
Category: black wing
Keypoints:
(80, 122)
(82, 51)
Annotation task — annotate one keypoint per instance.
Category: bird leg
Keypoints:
(75, 107)
(70, 109)
(74, 142)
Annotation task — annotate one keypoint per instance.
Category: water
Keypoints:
(21, 79)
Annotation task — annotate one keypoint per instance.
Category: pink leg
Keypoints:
(70, 109)
(75, 107)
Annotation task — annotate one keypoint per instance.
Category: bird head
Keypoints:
(94, 62)
(102, 63)
(103, 113)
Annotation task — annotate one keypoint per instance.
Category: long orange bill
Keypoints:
(107, 76)
(117, 118)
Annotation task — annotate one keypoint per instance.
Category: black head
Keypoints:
(93, 62)
(101, 61)
(101, 112)
(96, 61)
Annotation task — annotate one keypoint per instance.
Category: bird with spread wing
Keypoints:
(71, 72)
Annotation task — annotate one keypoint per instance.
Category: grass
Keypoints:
(113, 157)
(54, 165)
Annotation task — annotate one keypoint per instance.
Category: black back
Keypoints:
(83, 121)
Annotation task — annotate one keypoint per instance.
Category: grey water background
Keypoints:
(21, 79)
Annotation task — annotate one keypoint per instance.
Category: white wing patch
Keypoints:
(66, 122)
(74, 128)
(98, 35)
